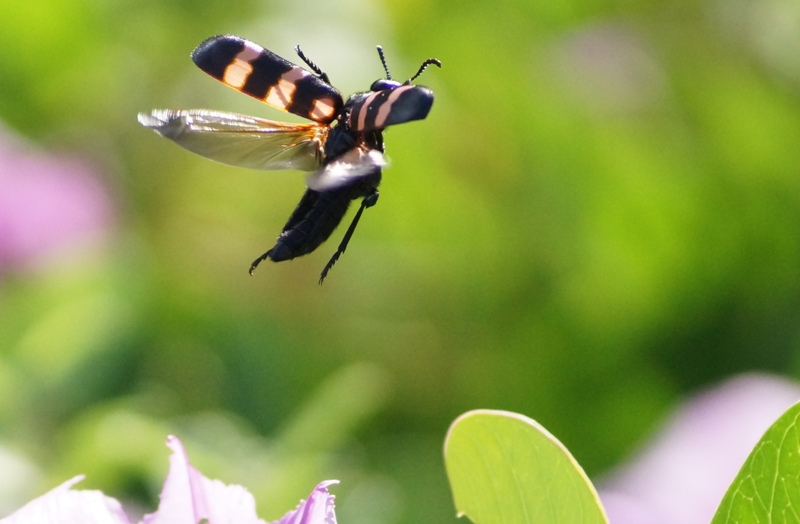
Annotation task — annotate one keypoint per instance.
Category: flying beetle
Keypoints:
(342, 147)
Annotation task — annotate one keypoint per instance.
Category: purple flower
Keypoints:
(48, 203)
(682, 475)
(187, 498)
(64, 505)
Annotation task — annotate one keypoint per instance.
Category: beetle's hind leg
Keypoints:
(368, 201)
(259, 260)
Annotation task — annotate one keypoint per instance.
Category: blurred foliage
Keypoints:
(600, 214)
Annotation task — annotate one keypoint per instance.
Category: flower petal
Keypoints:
(188, 497)
(318, 509)
(50, 203)
(698, 453)
(63, 505)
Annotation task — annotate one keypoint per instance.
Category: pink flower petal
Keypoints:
(63, 505)
(318, 509)
(51, 203)
(188, 497)
(681, 476)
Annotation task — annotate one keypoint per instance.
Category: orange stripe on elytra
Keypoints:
(282, 93)
(386, 108)
(362, 115)
(323, 108)
(239, 69)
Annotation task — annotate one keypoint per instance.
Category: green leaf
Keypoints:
(504, 467)
(767, 488)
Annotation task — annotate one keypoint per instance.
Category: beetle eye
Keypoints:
(383, 83)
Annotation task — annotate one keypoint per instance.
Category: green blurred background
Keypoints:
(599, 216)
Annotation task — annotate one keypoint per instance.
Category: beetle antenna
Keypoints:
(424, 66)
(383, 61)
(314, 67)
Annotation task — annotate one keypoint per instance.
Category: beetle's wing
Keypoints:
(356, 163)
(241, 140)
(260, 73)
(377, 110)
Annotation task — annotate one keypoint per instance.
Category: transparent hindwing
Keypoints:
(241, 140)
(354, 164)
